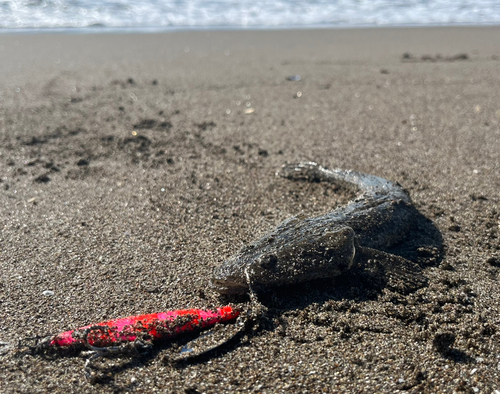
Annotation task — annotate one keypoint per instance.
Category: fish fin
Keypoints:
(399, 274)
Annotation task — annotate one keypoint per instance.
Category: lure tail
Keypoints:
(154, 326)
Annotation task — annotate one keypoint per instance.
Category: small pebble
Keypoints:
(48, 293)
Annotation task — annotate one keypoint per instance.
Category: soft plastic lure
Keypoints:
(154, 327)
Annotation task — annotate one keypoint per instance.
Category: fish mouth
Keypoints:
(228, 287)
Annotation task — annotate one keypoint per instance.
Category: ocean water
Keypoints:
(92, 15)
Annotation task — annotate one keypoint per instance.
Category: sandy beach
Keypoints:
(132, 165)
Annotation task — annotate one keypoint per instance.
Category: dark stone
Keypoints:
(493, 261)
(42, 179)
(443, 341)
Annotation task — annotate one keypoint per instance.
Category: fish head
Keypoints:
(285, 257)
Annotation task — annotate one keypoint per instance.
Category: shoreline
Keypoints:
(258, 28)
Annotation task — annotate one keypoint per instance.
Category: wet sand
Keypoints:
(131, 165)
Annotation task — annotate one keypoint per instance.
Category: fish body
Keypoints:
(154, 326)
(302, 249)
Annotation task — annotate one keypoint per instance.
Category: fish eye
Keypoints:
(269, 262)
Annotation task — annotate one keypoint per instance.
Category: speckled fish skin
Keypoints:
(302, 249)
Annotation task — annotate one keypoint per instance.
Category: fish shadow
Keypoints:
(424, 243)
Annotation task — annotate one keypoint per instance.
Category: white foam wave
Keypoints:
(16, 14)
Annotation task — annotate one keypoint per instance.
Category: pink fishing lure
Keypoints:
(154, 326)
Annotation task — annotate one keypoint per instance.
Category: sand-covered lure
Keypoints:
(155, 327)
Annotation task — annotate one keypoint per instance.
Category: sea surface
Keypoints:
(98, 15)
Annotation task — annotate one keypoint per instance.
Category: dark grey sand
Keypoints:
(130, 169)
